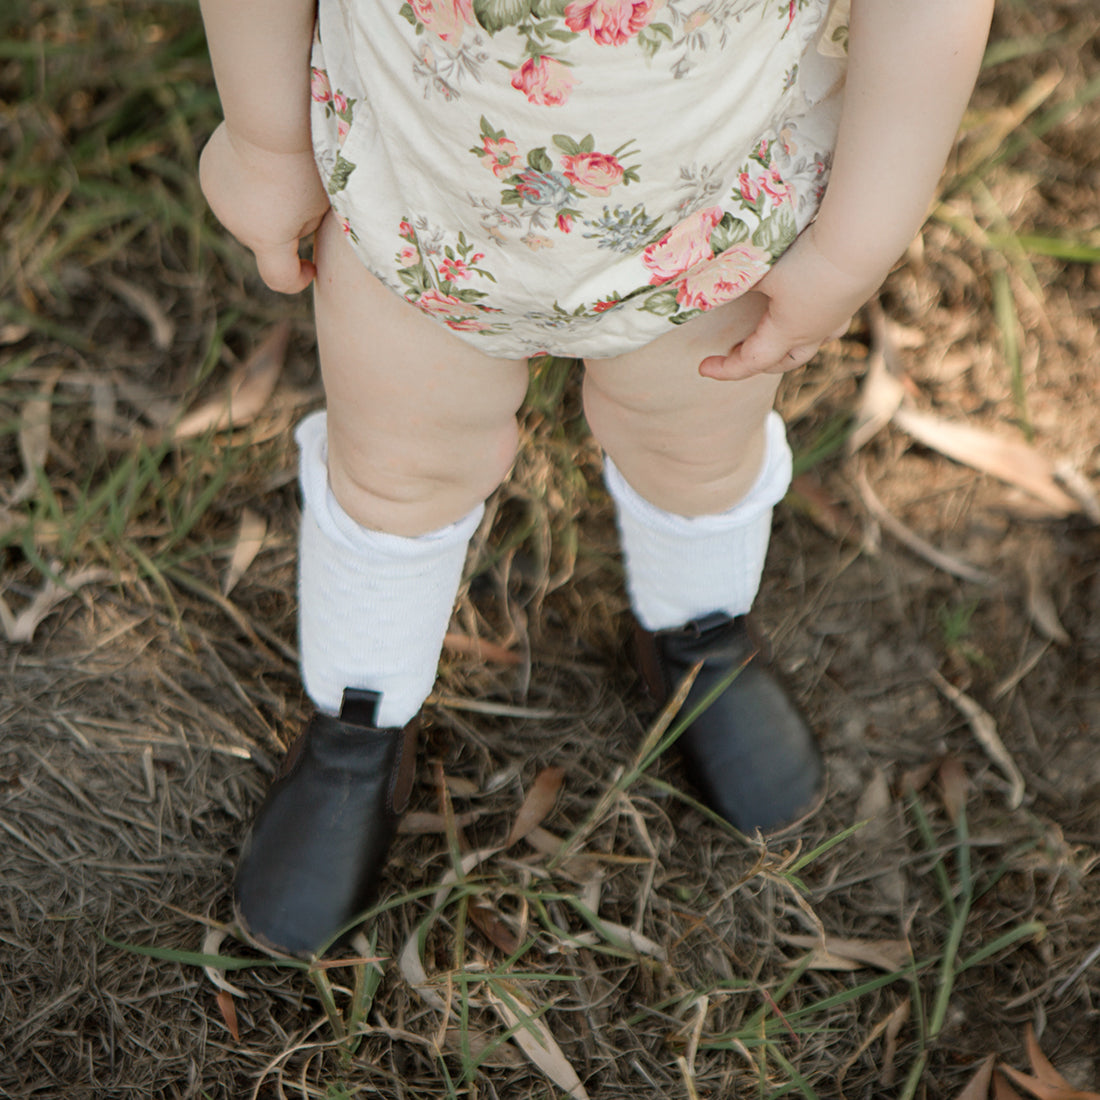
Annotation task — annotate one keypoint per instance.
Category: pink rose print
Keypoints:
(500, 157)
(545, 82)
(771, 183)
(408, 256)
(565, 222)
(440, 305)
(339, 103)
(405, 230)
(343, 128)
(593, 173)
(683, 246)
(319, 87)
(458, 269)
(722, 278)
(605, 305)
(609, 22)
(447, 18)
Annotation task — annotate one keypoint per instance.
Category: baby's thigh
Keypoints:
(658, 388)
(416, 416)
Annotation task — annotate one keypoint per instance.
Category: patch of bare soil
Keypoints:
(139, 722)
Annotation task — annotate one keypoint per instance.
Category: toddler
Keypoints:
(689, 195)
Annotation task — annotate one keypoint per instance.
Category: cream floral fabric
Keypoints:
(574, 176)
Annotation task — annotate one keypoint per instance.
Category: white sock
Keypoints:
(679, 568)
(373, 608)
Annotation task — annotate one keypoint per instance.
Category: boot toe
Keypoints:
(313, 860)
(751, 753)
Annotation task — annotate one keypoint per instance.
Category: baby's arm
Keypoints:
(912, 66)
(257, 170)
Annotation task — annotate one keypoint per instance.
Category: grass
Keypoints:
(103, 113)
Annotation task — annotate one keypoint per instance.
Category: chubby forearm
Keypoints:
(260, 52)
(912, 67)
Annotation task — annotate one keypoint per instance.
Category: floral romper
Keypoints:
(574, 176)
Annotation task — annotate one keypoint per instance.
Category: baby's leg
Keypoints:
(421, 426)
(695, 467)
(687, 444)
(420, 429)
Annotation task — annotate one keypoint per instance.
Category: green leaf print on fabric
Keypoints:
(495, 15)
(567, 145)
(774, 234)
(728, 232)
(539, 160)
(550, 9)
(662, 302)
(653, 37)
(338, 178)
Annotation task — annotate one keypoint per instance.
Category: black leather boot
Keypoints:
(751, 753)
(320, 838)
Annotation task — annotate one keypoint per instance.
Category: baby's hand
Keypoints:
(269, 201)
(810, 300)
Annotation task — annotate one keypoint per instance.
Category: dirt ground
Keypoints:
(139, 721)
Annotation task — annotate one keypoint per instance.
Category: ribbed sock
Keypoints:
(373, 607)
(679, 568)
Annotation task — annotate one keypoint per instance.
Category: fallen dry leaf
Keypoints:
(250, 540)
(949, 563)
(412, 970)
(622, 936)
(538, 803)
(1080, 488)
(211, 945)
(1043, 1091)
(467, 863)
(419, 822)
(249, 389)
(849, 954)
(879, 397)
(34, 436)
(146, 306)
(898, 1019)
(534, 1038)
(480, 649)
(21, 627)
(1009, 460)
(1002, 1090)
(13, 333)
(493, 927)
(229, 1013)
(1048, 1083)
(977, 1088)
(808, 496)
(984, 729)
(880, 840)
(1040, 1064)
(1040, 603)
(954, 786)
(484, 1048)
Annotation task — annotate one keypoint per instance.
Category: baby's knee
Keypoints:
(410, 484)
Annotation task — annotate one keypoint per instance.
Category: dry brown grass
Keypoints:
(138, 724)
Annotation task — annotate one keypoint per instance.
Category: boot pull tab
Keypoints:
(360, 707)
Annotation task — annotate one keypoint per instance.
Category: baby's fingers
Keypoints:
(768, 350)
(765, 351)
(284, 270)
